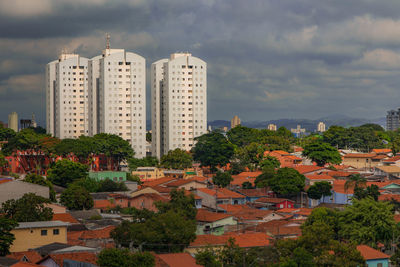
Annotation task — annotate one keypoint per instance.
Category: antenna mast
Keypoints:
(107, 41)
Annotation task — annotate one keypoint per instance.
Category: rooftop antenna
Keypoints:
(107, 41)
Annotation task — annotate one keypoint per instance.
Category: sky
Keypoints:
(266, 59)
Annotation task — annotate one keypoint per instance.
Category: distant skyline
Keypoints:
(266, 59)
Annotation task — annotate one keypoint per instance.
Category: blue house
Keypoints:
(373, 257)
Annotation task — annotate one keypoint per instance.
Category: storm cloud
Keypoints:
(266, 59)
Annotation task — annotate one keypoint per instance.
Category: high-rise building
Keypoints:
(393, 120)
(13, 121)
(117, 97)
(321, 127)
(235, 122)
(178, 102)
(272, 127)
(298, 131)
(67, 96)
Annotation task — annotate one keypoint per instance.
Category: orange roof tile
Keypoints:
(103, 204)
(64, 217)
(223, 193)
(389, 197)
(256, 192)
(76, 237)
(158, 181)
(229, 208)
(397, 218)
(272, 200)
(240, 180)
(251, 214)
(181, 182)
(293, 157)
(178, 259)
(382, 150)
(208, 216)
(281, 152)
(76, 256)
(369, 253)
(31, 255)
(242, 240)
(339, 173)
(5, 181)
(307, 168)
(300, 211)
(392, 159)
(360, 155)
(319, 177)
(248, 174)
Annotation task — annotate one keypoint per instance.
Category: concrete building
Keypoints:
(272, 127)
(393, 120)
(235, 122)
(17, 189)
(298, 131)
(117, 97)
(67, 96)
(178, 102)
(321, 127)
(13, 121)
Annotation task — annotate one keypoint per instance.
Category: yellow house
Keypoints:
(29, 235)
(148, 173)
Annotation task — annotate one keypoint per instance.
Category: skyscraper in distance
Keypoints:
(235, 122)
(178, 102)
(13, 121)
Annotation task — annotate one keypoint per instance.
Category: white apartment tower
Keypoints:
(117, 97)
(178, 102)
(67, 96)
(321, 127)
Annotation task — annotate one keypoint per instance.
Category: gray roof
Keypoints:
(47, 249)
(4, 261)
(74, 249)
(24, 225)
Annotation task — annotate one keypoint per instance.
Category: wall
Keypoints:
(374, 263)
(218, 231)
(16, 189)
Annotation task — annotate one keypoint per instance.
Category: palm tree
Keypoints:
(355, 180)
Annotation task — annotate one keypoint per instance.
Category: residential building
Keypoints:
(212, 223)
(213, 197)
(298, 131)
(393, 120)
(273, 203)
(117, 97)
(321, 127)
(235, 122)
(178, 102)
(272, 127)
(373, 257)
(29, 235)
(148, 173)
(175, 260)
(10, 189)
(13, 121)
(363, 160)
(67, 96)
(389, 172)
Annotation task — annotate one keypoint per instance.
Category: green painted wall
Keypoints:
(217, 228)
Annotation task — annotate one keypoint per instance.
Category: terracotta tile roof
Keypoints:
(238, 181)
(64, 217)
(76, 256)
(229, 208)
(275, 200)
(292, 157)
(223, 193)
(319, 177)
(298, 149)
(162, 189)
(369, 253)
(248, 174)
(77, 237)
(307, 168)
(251, 214)
(284, 231)
(257, 192)
(341, 167)
(208, 216)
(178, 259)
(338, 186)
(281, 152)
(181, 182)
(389, 169)
(339, 173)
(382, 150)
(202, 179)
(25, 264)
(300, 211)
(191, 193)
(242, 240)
(397, 218)
(103, 204)
(380, 157)
(31, 255)
(158, 181)
(389, 197)
(392, 159)
(360, 155)
(155, 197)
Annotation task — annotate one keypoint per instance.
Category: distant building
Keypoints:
(28, 123)
(298, 131)
(235, 122)
(13, 121)
(272, 127)
(393, 120)
(321, 127)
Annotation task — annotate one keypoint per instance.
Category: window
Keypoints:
(43, 232)
(56, 231)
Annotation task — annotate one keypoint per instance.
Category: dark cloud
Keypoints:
(266, 59)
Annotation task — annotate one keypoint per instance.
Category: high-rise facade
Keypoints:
(321, 127)
(271, 127)
(178, 102)
(67, 96)
(117, 97)
(393, 120)
(235, 121)
(13, 121)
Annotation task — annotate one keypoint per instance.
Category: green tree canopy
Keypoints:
(108, 185)
(270, 162)
(370, 191)
(114, 257)
(222, 179)
(28, 208)
(177, 159)
(319, 189)
(287, 182)
(322, 153)
(134, 163)
(6, 133)
(6, 237)
(66, 171)
(76, 198)
(40, 180)
(179, 202)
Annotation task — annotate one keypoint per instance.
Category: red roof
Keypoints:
(223, 193)
(397, 218)
(392, 159)
(78, 237)
(339, 173)
(25, 264)
(178, 259)
(243, 240)
(181, 182)
(103, 204)
(360, 155)
(64, 217)
(248, 174)
(272, 200)
(300, 211)
(319, 177)
(251, 214)
(256, 192)
(31, 255)
(158, 181)
(229, 208)
(76, 256)
(208, 216)
(307, 168)
(369, 253)
(389, 197)
(382, 150)
(240, 180)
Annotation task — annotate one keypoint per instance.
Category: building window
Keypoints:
(56, 231)
(43, 232)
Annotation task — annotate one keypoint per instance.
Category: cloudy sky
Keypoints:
(267, 59)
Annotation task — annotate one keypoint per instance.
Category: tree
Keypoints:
(370, 191)
(319, 189)
(263, 179)
(208, 257)
(247, 185)
(40, 180)
(6, 237)
(287, 182)
(76, 198)
(322, 153)
(222, 179)
(65, 172)
(341, 254)
(179, 202)
(251, 155)
(236, 167)
(213, 150)
(28, 208)
(6, 133)
(242, 136)
(367, 222)
(114, 257)
(355, 180)
(108, 185)
(176, 159)
(134, 163)
(270, 162)
(324, 215)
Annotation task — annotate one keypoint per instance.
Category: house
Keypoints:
(255, 216)
(254, 194)
(373, 257)
(76, 259)
(29, 235)
(98, 238)
(392, 161)
(389, 172)
(243, 177)
(363, 160)
(213, 223)
(10, 262)
(146, 201)
(297, 213)
(159, 181)
(309, 169)
(311, 179)
(213, 197)
(17, 189)
(279, 229)
(187, 184)
(148, 173)
(383, 151)
(175, 260)
(274, 203)
(285, 158)
(30, 256)
(111, 175)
